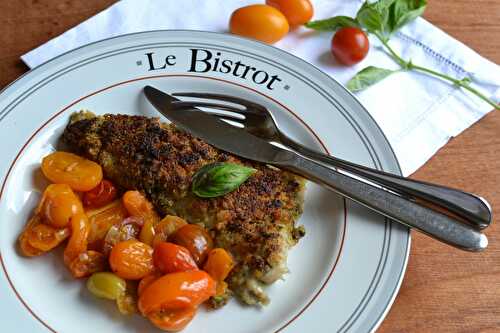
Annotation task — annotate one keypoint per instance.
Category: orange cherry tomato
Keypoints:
(172, 320)
(297, 12)
(171, 258)
(77, 172)
(59, 203)
(78, 241)
(147, 280)
(45, 237)
(177, 291)
(194, 238)
(101, 220)
(87, 263)
(137, 205)
(219, 264)
(101, 195)
(131, 259)
(166, 227)
(261, 22)
(350, 45)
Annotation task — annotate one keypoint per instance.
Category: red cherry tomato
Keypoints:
(350, 45)
(171, 258)
(101, 195)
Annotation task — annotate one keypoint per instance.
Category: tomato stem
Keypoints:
(408, 65)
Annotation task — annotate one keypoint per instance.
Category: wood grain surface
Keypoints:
(444, 290)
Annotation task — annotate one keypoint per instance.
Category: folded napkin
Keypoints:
(418, 114)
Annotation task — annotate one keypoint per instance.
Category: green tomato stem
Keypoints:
(408, 65)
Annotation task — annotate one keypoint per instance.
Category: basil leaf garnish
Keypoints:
(332, 24)
(217, 179)
(366, 77)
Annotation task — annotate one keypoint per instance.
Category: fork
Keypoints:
(259, 121)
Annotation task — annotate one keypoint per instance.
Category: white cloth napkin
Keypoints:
(418, 114)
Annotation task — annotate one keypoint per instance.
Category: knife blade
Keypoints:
(217, 132)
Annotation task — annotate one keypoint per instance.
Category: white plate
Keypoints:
(344, 274)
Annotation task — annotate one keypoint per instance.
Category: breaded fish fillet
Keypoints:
(256, 222)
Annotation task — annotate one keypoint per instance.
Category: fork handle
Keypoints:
(474, 209)
(398, 208)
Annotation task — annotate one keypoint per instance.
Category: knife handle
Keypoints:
(395, 207)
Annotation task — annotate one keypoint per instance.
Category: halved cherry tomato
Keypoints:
(350, 45)
(166, 227)
(147, 280)
(297, 12)
(128, 229)
(101, 220)
(177, 291)
(194, 238)
(78, 241)
(131, 259)
(261, 22)
(77, 172)
(101, 195)
(172, 320)
(59, 203)
(87, 263)
(24, 245)
(219, 264)
(45, 237)
(171, 258)
(137, 205)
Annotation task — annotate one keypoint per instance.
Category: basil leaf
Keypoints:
(367, 77)
(332, 23)
(217, 179)
(370, 18)
(405, 11)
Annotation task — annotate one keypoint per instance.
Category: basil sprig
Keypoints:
(217, 179)
(383, 18)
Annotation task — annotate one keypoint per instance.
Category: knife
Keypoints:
(241, 143)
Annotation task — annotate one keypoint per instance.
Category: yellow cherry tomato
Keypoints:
(261, 22)
(77, 172)
(59, 203)
(297, 12)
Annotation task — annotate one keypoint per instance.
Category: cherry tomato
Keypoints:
(177, 291)
(78, 241)
(45, 237)
(101, 220)
(87, 263)
(147, 280)
(297, 12)
(126, 230)
(59, 203)
(131, 259)
(101, 195)
(137, 205)
(172, 320)
(166, 227)
(219, 264)
(350, 45)
(261, 22)
(171, 258)
(106, 285)
(77, 172)
(194, 238)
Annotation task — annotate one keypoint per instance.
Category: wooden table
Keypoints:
(445, 290)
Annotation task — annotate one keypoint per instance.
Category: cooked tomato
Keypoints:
(172, 320)
(87, 263)
(194, 238)
(101, 220)
(79, 236)
(147, 280)
(128, 229)
(77, 172)
(261, 22)
(177, 291)
(137, 205)
(131, 259)
(166, 227)
(350, 45)
(219, 264)
(171, 258)
(101, 195)
(297, 12)
(59, 203)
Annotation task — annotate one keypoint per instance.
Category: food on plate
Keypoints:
(350, 45)
(297, 12)
(255, 223)
(142, 235)
(261, 22)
